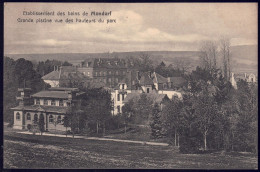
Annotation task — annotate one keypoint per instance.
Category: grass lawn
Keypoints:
(29, 151)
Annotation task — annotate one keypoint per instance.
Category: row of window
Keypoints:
(104, 73)
(53, 102)
(35, 117)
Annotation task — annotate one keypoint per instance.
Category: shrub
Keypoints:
(29, 127)
(189, 145)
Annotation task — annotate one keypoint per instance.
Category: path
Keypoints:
(97, 138)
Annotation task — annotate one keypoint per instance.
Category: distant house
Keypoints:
(52, 104)
(250, 78)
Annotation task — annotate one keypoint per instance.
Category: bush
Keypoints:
(29, 127)
(189, 145)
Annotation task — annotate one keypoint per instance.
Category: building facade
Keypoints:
(51, 104)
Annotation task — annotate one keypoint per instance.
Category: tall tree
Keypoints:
(225, 53)
(156, 123)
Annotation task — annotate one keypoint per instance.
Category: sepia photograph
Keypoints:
(130, 86)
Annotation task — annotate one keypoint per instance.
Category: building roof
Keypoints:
(177, 81)
(63, 89)
(54, 75)
(155, 97)
(51, 94)
(40, 108)
(159, 78)
(109, 63)
(146, 80)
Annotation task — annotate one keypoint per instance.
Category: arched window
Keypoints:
(28, 116)
(59, 119)
(35, 118)
(53, 103)
(51, 119)
(18, 116)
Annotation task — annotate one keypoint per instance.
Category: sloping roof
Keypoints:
(155, 97)
(88, 63)
(109, 63)
(40, 108)
(68, 69)
(54, 75)
(178, 81)
(62, 89)
(51, 94)
(159, 78)
(146, 80)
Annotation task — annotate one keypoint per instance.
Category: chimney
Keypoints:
(169, 79)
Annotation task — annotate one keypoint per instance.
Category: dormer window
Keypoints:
(123, 86)
(37, 101)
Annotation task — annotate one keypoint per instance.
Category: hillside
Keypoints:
(244, 58)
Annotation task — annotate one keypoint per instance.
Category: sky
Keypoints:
(137, 27)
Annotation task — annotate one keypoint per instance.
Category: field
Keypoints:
(28, 151)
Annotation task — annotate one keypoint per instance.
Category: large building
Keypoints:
(107, 70)
(52, 104)
(150, 83)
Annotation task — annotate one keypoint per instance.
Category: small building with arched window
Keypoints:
(52, 104)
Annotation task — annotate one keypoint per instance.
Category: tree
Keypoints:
(208, 55)
(66, 123)
(171, 119)
(205, 109)
(225, 52)
(41, 123)
(156, 123)
(127, 112)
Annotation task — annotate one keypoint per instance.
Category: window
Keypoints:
(61, 103)
(35, 118)
(84, 73)
(59, 119)
(53, 103)
(28, 116)
(147, 90)
(51, 119)
(45, 102)
(118, 97)
(37, 101)
(105, 80)
(252, 79)
(123, 97)
(118, 109)
(88, 74)
(100, 73)
(123, 86)
(18, 116)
